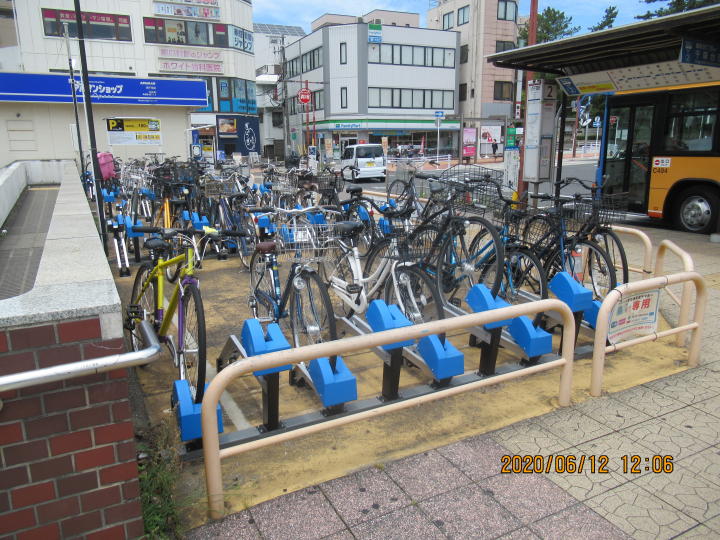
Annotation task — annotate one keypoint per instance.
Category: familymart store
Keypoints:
(395, 132)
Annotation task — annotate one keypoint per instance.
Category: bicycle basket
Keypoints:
(306, 242)
(606, 210)
(413, 246)
(478, 199)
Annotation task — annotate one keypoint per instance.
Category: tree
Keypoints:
(611, 12)
(552, 24)
(674, 6)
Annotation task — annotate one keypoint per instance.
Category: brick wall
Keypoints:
(67, 449)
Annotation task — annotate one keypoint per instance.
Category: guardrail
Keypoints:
(688, 266)
(211, 442)
(73, 370)
(603, 320)
(646, 269)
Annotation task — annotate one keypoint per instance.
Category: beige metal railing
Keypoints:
(211, 441)
(646, 269)
(603, 320)
(688, 266)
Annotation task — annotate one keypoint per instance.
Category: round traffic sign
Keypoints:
(303, 95)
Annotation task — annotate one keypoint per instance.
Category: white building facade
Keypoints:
(134, 44)
(370, 82)
(485, 92)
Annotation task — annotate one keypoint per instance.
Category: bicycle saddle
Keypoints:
(348, 228)
(156, 244)
(265, 247)
(436, 188)
(354, 190)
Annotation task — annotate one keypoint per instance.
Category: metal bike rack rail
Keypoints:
(646, 270)
(603, 320)
(63, 372)
(211, 442)
(688, 266)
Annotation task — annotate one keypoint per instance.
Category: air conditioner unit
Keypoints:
(378, 21)
(274, 40)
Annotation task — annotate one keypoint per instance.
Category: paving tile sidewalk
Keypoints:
(458, 491)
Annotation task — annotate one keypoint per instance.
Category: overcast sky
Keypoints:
(585, 13)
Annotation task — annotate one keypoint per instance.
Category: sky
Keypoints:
(584, 13)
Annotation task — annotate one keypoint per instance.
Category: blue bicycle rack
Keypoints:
(187, 412)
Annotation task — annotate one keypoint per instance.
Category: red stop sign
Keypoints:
(304, 95)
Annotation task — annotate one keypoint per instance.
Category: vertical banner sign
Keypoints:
(511, 167)
(374, 33)
(469, 142)
(634, 316)
(133, 131)
(384, 142)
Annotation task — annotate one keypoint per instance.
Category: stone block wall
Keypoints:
(67, 450)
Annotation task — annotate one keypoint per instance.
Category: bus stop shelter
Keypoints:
(665, 54)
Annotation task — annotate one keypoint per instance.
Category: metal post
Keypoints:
(74, 98)
(561, 144)
(391, 375)
(87, 101)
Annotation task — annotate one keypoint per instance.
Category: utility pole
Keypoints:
(87, 101)
(74, 98)
(286, 116)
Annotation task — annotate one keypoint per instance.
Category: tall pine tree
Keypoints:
(674, 6)
(611, 13)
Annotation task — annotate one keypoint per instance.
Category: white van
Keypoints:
(369, 158)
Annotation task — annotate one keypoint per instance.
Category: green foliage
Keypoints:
(552, 24)
(611, 13)
(674, 6)
(158, 473)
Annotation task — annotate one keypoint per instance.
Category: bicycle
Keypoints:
(147, 302)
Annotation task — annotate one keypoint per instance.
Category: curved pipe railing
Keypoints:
(688, 266)
(614, 296)
(211, 440)
(149, 354)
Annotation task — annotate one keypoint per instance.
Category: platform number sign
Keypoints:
(549, 91)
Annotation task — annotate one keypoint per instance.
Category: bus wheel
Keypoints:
(697, 210)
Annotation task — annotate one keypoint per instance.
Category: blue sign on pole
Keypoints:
(703, 53)
(50, 88)
(439, 114)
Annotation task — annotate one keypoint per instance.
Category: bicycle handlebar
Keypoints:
(169, 232)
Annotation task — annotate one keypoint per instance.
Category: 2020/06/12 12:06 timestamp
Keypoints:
(571, 464)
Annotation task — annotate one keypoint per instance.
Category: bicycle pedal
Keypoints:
(455, 302)
(354, 288)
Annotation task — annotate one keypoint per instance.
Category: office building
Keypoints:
(165, 66)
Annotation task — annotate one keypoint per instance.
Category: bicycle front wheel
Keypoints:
(587, 263)
(471, 254)
(414, 293)
(310, 311)
(146, 299)
(610, 242)
(192, 341)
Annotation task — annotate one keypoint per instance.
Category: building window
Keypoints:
(235, 95)
(407, 55)
(343, 53)
(196, 33)
(462, 95)
(95, 25)
(343, 97)
(463, 15)
(410, 98)
(501, 46)
(318, 100)
(448, 20)
(464, 54)
(503, 91)
(507, 10)
(277, 118)
(307, 62)
(220, 35)
(692, 121)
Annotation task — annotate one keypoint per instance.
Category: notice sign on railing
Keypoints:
(634, 316)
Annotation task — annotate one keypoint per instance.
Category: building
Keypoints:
(269, 42)
(376, 16)
(372, 83)
(485, 92)
(164, 66)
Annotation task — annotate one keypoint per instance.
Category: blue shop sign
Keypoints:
(50, 88)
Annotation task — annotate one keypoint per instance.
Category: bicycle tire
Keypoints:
(376, 256)
(540, 234)
(401, 191)
(172, 273)
(261, 288)
(342, 270)
(597, 268)
(611, 243)
(523, 278)
(414, 292)
(192, 344)
(369, 233)
(484, 247)
(146, 299)
(310, 311)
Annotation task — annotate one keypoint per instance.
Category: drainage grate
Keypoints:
(22, 246)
